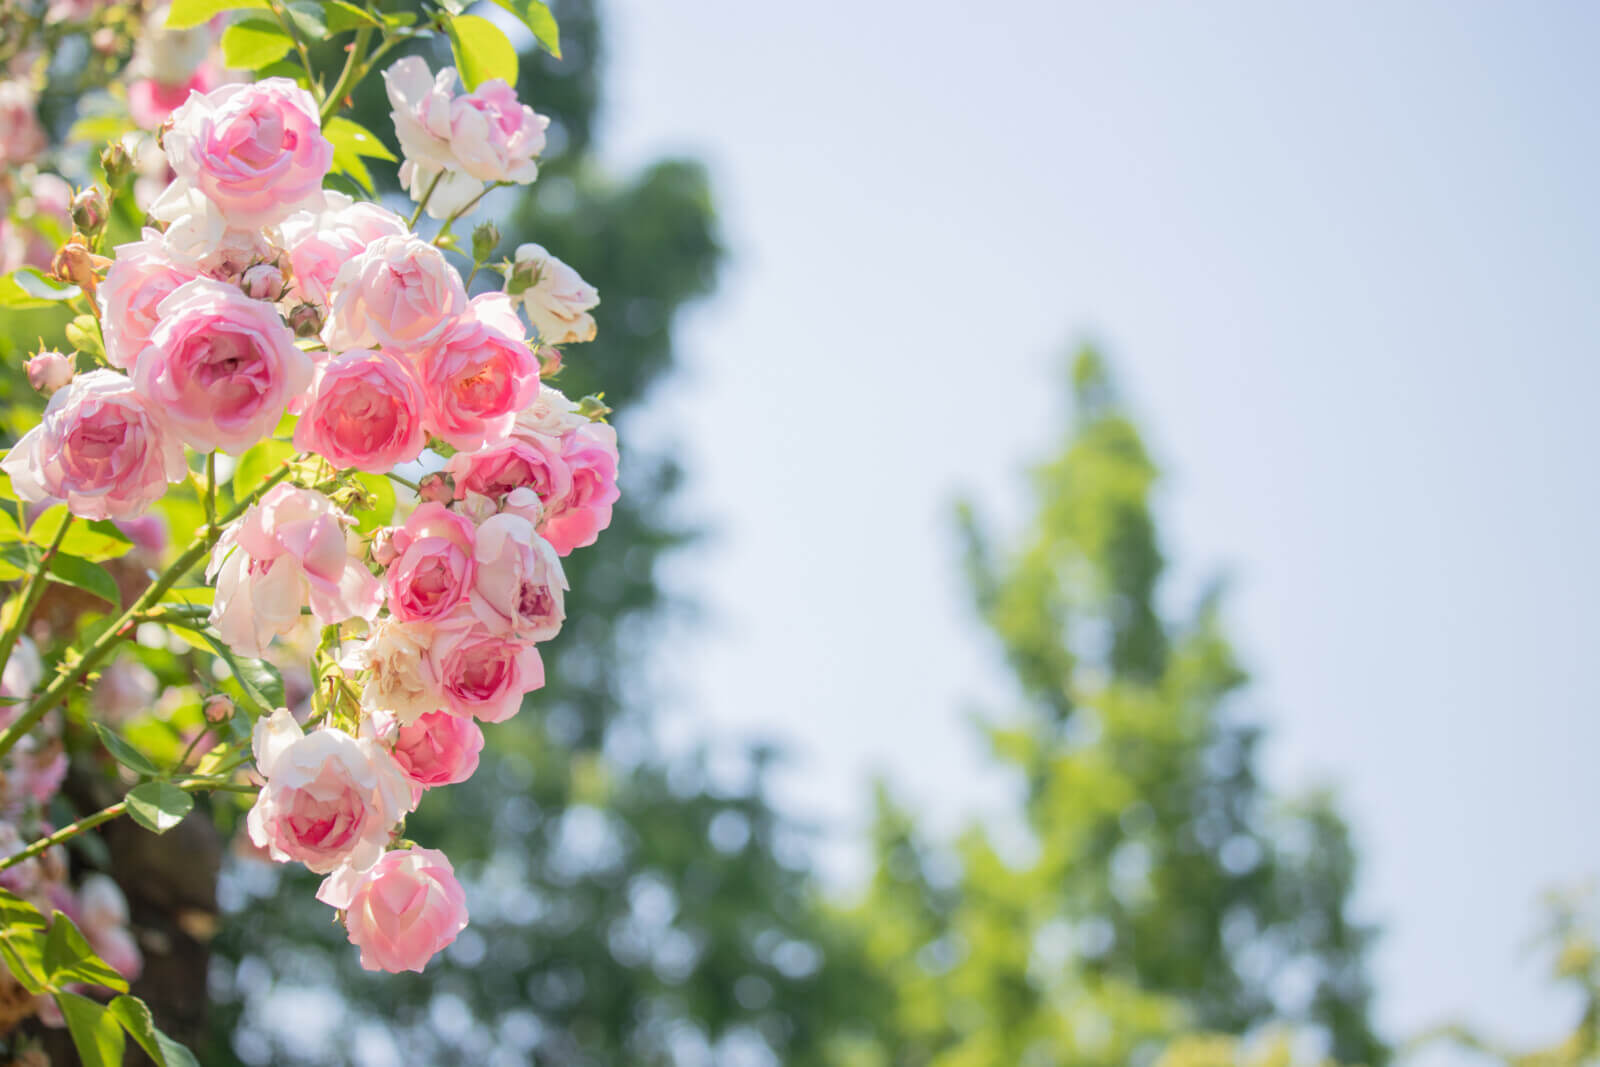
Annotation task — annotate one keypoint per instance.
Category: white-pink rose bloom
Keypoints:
(494, 136)
(99, 449)
(400, 293)
(553, 295)
(402, 911)
(321, 242)
(520, 585)
(396, 681)
(222, 368)
(254, 150)
(330, 800)
(284, 553)
(421, 111)
(143, 273)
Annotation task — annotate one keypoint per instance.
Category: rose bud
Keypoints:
(49, 371)
(484, 240)
(89, 210)
(218, 709)
(436, 488)
(116, 161)
(549, 361)
(305, 320)
(384, 551)
(77, 263)
(264, 281)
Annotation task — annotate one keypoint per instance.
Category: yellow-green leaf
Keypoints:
(482, 51)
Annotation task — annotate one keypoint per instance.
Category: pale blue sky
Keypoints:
(1344, 260)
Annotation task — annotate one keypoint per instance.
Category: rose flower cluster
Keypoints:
(255, 295)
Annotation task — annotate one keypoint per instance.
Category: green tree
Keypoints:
(627, 909)
(1165, 889)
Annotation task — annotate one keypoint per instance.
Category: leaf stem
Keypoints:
(417, 214)
(300, 46)
(352, 73)
(31, 595)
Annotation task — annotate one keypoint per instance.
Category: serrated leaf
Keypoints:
(307, 18)
(68, 959)
(134, 1015)
(95, 541)
(17, 914)
(78, 572)
(342, 16)
(124, 753)
(158, 806)
(381, 513)
(482, 51)
(195, 595)
(184, 14)
(33, 282)
(536, 16)
(356, 138)
(253, 43)
(257, 465)
(96, 1033)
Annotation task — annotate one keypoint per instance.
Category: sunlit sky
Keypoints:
(1344, 261)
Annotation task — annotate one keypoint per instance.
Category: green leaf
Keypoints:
(342, 16)
(124, 753)
(185, 14)
(482, 51)
(355, 138)
(259, 680)
(253, 43)
(307, 18)
(22, 941)
(96, 540)
(201, 595)
(134, 1015)
(536, 16)
(83, 333)
(33, 282)
(80, 573)
(158, 806)
(68, 959)
(95, 1031)
(17, 914)
(257, 465)
(381, 513)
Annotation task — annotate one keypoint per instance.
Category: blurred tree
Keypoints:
(1162, 888)
(626, 908)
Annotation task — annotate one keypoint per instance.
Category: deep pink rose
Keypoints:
(576, 519)
(480, 673)
(479, 374)
(403, 911)
(437, 749)
(365, 412)
(433, 569)
(143, 273)
(254, 150)
(330, 799)
(321, 242)
(400, 293)
(520, 585)
(286, 552)
(99, 448)
(220, 366)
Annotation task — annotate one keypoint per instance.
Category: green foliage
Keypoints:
(158, 806)
(1163, 888)
(482, 51)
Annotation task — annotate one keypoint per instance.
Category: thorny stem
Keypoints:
(351, 73)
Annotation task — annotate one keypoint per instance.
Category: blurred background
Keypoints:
(1102, 574)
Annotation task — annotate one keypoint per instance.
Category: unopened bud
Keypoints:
(264, 281)
(77, 263)
(485, 238)
(549, 361)
(89, 210)
(218, 709)
(305, 320)
(594, 407)
(104, 40)
(49, 371)
(117, 162)
(383, 549)
(436, 488)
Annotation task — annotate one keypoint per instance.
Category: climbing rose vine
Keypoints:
(385, 479)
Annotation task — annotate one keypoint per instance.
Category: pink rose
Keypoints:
(143, 273)
(99, 448)
(43, 221)
(479, 374)
(421, 104)
(21, 136)
(320, 242)
(526, 461)
(433, 569)
(520, 583)
(480, 673)
(152, 101)
(556, 299)
(576, 519)
(330, 799)
(222, 367)
(365, 412)
(396, 681)
(495, 137)
(50, 372)
(283, 553)
(403, 911)
(400, 293)
(437, 749)
(255, 151)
